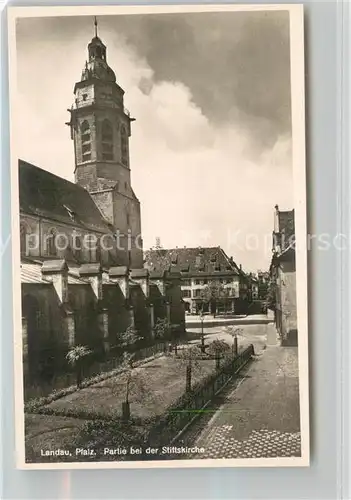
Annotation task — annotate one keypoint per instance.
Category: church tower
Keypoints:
(101, 129)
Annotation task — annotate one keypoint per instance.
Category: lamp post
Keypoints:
(202, 331)
(235, 345)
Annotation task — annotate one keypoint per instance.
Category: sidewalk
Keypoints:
(260, 416)
(253, 319)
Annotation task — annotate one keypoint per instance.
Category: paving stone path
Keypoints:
(259, 418)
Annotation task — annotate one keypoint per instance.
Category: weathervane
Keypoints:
(96, 26)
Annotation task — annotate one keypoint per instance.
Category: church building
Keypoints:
(82, 271)
(100, 129)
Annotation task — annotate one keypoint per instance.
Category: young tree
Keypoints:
(218, 348)
(134, 382)
(164, 330)
(128, 365)
(129, 337)
(210, 294)
(235, 333)
(75, 357)
(204, 299)
(189, 357)
(161, 328)
(226, 294)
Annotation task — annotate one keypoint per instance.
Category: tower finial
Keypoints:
(96, 27)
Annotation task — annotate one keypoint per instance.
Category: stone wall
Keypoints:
(286, 311)
(45, 336)
(63, 311)
(288, 299)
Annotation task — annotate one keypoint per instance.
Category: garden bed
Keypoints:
(155, 421)
(157, 385)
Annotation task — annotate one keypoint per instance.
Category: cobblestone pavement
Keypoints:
(259, 417)
(260, 444)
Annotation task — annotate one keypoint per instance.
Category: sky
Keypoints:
(210, 151)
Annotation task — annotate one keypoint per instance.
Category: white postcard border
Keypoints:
(299, 173)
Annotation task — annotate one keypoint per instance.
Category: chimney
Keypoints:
(56, 272)
(141, 276)
(120, 275)
(92, 272)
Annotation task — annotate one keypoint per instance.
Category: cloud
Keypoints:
(237, 65)
(197, 178)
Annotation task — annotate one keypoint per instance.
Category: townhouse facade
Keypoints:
(211, 281)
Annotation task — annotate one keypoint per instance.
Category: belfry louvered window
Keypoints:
(107, 141)
(124, 146)
(86, 141)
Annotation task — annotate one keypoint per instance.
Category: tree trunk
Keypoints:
(218, 363)
(202, 337)
(235, 346)
(126, 411)
(188, 379)
(203, 343)
(79, 375)
(125, 404)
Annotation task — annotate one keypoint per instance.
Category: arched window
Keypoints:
(124, 146)
(77, 247)
(107, 140)
(51, 243)
(86, 141)
(98, 252)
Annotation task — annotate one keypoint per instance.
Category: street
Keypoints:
(254, 330)
(258, 415)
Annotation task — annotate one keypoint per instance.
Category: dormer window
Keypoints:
(70, 212)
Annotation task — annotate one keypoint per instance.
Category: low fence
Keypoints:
(188, 407)
(92, 369)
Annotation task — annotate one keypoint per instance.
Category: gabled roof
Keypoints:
(191, 261)
(44, 194)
